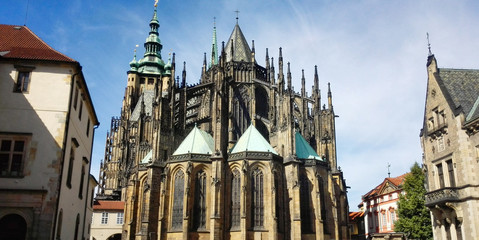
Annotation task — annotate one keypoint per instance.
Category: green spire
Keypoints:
(151, 62)
(214, 50)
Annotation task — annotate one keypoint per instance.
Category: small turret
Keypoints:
(330, 97)
(290, 87)
(303, 85)
(183, 78)
(280, 73)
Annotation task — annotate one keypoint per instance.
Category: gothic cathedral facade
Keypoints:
(239, 155)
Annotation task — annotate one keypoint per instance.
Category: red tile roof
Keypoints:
(396, 181)
(108, 205)
(19, 42)
(354, 215)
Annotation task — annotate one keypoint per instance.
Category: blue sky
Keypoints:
(373, 53)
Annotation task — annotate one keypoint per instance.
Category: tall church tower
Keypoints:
(238, 155)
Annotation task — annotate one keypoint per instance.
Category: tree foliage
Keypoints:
(414, 217)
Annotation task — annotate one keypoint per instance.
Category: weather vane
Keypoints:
(156, 3)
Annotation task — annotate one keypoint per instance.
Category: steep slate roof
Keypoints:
(252, 141)
(462, 86)
(241, 50)
(396, 181)
(146, 98)
(108, 205)
(197, 141)
(19, 42)
(303, 149)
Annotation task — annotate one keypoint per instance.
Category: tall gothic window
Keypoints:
(257, 199)
(278, 184)
(323, 205)
(235, 199)
(177, 220)
(199, 214)
(305, 201)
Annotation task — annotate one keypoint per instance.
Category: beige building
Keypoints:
(450, 142)
(107, 220)
(47, 123)
(237, 155)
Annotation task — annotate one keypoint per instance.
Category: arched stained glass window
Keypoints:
(235, 199)
(257, 198)
(179, 184)
(199, 211)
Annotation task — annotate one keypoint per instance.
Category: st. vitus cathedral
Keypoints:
(239, 155)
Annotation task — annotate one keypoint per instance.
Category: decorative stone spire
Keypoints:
(214, 47)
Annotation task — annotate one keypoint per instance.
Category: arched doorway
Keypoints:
(13, 227)
(114, 237)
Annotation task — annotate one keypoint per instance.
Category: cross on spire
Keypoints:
(237, 13)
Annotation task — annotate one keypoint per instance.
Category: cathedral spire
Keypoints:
(238, 47)
(151, 62)
(214, 47)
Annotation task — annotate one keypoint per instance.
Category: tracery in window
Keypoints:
(235, 199)
(257, 198)
(177, 219)
(199, 210)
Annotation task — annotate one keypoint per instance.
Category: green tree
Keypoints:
(414, 217)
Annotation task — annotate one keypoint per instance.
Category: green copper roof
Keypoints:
(303, 149)
(147, 158)
(241, 50)
(252, 141)
(198, 141)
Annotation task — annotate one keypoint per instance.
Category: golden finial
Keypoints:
(156, 3)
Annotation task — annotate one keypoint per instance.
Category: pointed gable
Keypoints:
(388, 185)
(303, 149)
(252, 141)
(197, 141)
(241, 50)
